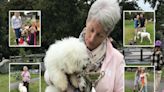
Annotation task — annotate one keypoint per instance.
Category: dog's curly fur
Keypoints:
(67, 56)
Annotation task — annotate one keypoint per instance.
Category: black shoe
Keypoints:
(17, 41)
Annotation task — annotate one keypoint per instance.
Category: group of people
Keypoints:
(140, 82)
(25, 34)
(139, 24)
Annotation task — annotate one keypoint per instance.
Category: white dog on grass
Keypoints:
(143, 35)
(63, 58)
(22, 88)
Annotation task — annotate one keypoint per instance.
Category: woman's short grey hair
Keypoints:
(107, 12)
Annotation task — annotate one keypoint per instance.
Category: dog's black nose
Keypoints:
(84, 67)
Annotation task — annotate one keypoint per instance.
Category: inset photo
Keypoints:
(24, 77)
(138, 28)
(139, 79)
(24, 28)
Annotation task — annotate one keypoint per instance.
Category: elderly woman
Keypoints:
(26, 77)
(102, 18)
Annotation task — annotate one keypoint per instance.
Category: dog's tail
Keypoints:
(52, 88)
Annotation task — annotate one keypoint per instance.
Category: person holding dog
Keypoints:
(26, 77)
(157, 61)
(16, 24)
(102, 18)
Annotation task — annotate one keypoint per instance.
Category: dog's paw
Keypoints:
(82, 84)
(74, 80)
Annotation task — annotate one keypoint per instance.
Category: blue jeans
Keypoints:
(144, 88)
(17, 33)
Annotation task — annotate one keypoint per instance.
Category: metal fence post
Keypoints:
(123, 52)
(141, 55)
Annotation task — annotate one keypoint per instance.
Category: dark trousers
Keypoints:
(26, 84)
(17, 34)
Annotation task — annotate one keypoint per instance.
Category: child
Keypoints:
(137, 79)
(143, 78)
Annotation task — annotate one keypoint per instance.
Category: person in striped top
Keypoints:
(157, 61)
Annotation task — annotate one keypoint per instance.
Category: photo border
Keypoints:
(40, 37)
(153, 11)
(144, 67)
(27, 64)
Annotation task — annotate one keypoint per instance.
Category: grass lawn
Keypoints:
(130, 76)
(43, 84)
(127, 89)
(129, 33)
(34, 87)
(12, 37)
(4, 83)
(163, 74)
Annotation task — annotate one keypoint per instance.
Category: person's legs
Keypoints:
(143, 90)
(135, 84)
(17, 34)
(157, 80)
(135, 34)
(26, 84)
(27, 87)
(146, 88)
(31, 39)
(138, 84)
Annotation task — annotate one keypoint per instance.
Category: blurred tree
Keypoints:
(129, 5)
(22, 53)
(60, 18)
(160, 17)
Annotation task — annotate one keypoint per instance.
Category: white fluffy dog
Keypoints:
(143, 35)
(63, 58)
(22, 88)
